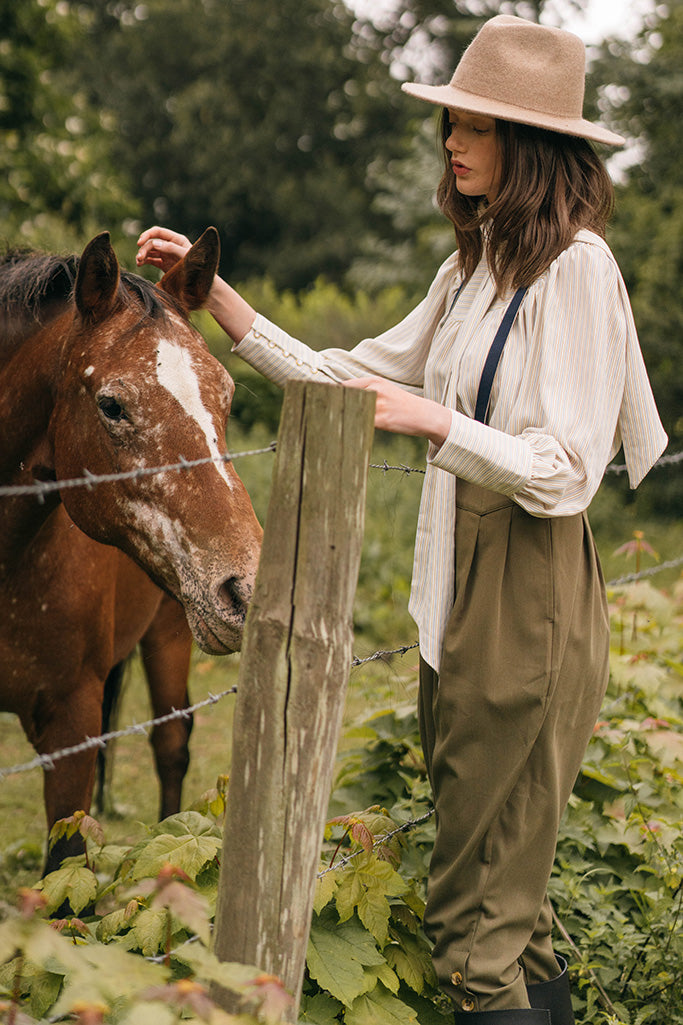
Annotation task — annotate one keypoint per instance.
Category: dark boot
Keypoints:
(554, 996)
(523, 1016)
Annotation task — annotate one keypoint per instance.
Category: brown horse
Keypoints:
(106, 375)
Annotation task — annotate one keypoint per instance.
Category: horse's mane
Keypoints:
(35, 282)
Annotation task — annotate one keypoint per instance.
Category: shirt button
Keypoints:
(456, 978)
(299, 362)
(467, 1004)
(271, 345)
(256, 334)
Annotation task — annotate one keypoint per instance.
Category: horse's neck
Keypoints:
(25, 453)
(18, 324)
(26, 381)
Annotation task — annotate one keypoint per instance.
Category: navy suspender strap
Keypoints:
(493, 358)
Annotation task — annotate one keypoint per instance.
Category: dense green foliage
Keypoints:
(617, 885)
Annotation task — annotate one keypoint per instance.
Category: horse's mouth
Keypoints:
(216, 638)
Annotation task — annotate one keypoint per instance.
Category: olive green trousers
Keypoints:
(504, 728)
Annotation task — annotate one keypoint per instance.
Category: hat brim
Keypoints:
(450, 96)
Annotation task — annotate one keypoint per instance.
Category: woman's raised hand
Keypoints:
(161, 247)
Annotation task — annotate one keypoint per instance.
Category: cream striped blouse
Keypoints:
(570, 390)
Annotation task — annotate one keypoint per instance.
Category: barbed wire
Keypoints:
(89, 480)
(651, 571)
(675, 457)
(380, 841)
(47, 761)
(383, 654)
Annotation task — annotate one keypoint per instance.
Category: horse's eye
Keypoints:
(112, 409)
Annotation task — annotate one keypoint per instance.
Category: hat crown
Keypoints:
(532, 66)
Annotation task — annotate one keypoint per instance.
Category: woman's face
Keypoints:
(474, 153)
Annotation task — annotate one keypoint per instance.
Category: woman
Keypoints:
(507, 589)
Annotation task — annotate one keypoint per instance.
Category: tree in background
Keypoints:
(647, 231)
(258, 117)
(57, 182)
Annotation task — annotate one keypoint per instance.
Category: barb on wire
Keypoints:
(47, 761)
(384, 466)
(675, 457)
(382, 654)
(380, 841)
(89, 480)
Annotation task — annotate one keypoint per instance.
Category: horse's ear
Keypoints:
(191, 279)
(98, 278)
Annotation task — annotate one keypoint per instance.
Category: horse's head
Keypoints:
(138, 388)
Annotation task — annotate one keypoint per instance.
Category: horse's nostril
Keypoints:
(234, 595)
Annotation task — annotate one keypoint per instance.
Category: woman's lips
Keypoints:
(459, 168)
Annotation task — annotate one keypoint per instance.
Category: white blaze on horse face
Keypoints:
(176, 374)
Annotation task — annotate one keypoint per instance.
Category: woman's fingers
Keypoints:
(161, 247)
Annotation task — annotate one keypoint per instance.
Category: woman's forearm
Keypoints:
(230, 310)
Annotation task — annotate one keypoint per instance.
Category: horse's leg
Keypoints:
(113, 691)
(69, 785)
(166, 649)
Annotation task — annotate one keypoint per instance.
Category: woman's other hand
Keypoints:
(401, 412)
(161, 248)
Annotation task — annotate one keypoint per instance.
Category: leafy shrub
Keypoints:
(617, 886)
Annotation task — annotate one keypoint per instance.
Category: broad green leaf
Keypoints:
(115, 922)
(374, 911)
(411, 961)
(337, 954)
(188, 823)
(386, 976)
(379, 1008)
(148, 933)
(44, 990)
(365, 884)
(186, 851)
(325, 888)
(74, 883)
(320, 1009)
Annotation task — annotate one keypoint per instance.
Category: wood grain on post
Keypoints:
(292, 682)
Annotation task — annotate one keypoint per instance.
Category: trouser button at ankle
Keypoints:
(456, 978)
(467, 1004)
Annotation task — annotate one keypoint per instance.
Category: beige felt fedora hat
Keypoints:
(517, 70)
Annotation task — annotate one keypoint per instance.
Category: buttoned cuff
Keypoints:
(279, 356)
(483, 455)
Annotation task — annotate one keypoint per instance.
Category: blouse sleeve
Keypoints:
(399, 354)
(548, 444)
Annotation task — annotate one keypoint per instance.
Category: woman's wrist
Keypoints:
(230, 310)
(439, 423)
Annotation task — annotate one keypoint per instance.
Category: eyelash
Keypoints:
(477, 131)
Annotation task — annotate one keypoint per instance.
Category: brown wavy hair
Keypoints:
(551, 185)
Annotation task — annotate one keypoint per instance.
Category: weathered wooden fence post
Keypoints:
(292, 682)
